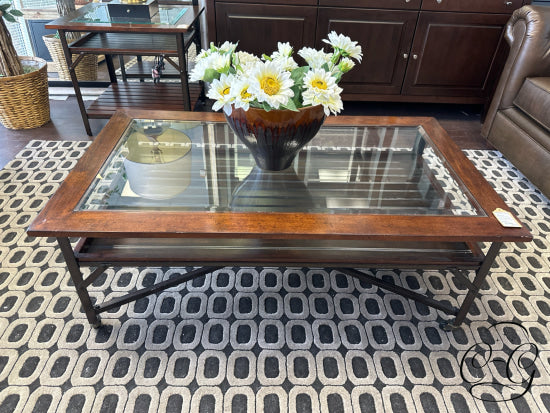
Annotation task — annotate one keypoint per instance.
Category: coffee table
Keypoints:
(178, 189)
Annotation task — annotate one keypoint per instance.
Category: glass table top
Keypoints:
(202, 166)
(99, 13)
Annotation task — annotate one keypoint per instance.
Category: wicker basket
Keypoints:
(24, 100)
(86, 69)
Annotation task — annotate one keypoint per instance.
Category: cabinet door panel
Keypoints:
(476, 6)
(374, 4)
(283, 2)
(385, 37)
(258, 28)
(455, 54)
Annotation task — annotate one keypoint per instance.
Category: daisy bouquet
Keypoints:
(242, 80)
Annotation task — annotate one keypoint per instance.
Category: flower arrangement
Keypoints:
(242, 80)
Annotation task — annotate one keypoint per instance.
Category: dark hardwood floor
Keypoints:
(462, 122)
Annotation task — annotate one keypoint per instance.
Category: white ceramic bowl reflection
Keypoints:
(155, 176)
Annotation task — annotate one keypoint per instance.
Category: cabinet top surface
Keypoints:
(374, 177)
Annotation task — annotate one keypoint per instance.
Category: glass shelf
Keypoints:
(202, 166)
(99, 13)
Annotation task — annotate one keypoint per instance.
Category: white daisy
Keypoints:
(345, 45)
(346, 64)
(240, 93)
(203, 53)
(199, 70)
(283, 50)
(247, 61)
(220, 91)
(287, 63)
(321, 89)
(315, 58)
(219, 62)
(320, 80)
(227, 47)
(331, 103)
(215, 61)
(271, 84)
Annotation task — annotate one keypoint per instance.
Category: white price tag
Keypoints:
(506, 219)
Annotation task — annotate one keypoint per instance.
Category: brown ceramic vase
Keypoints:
(275, 137)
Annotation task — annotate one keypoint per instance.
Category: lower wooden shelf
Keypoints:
(142, 95)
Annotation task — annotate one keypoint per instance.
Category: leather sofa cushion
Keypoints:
(535, 132)
(526, 152)
(533, 99)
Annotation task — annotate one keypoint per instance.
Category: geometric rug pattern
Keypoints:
(262, 339)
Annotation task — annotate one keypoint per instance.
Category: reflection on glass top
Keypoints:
(99, 13)
(197, 166)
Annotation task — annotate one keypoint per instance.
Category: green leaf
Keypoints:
(255, 104)
(235, 59)
(210, 75)
(16, 13)
(297, 98)
(291, 105)
(266, 106)
(4, 7)
(9, 17)
(298, 74)
(266, 57)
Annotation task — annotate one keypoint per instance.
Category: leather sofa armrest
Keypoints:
(528, 34)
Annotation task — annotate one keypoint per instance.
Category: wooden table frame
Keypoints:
(345, 242)
(125, 39)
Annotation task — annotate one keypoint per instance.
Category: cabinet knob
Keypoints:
(405, 55)
(439, 1)
(407, 1)
(508, 3)
(415, 56)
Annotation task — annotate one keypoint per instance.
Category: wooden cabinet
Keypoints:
(258, 28)
(384, 35)
(453, 54)
(414, 50)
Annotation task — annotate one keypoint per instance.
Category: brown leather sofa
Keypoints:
(518, 120)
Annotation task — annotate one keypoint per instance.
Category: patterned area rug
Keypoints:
(267, 339)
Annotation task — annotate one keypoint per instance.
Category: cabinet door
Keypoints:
(473, 6)
(453, 54)
(374, 4)
(385, 37)
(258, 28)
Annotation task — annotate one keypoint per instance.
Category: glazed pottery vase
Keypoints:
(275, 137)
(272, 191)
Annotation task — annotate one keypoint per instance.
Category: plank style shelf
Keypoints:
(131, 43)
(141, 95)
